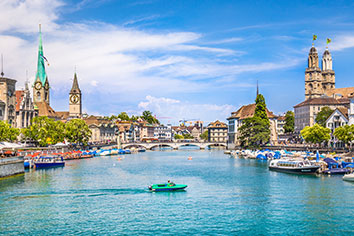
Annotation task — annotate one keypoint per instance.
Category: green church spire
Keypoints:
(41, 74)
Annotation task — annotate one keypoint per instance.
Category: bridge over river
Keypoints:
(174, 145)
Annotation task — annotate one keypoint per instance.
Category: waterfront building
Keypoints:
(75, 100)
(147, 132)
(7, 100)
(339, 117)
(280, 125)
(306, 112)
(163, 133)
(217, 132)
(103, 130)
(351, 111)
(25, 111)
(247, 111)
(320, 90)
(195, 131)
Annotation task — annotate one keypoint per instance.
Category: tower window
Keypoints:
(38, 96)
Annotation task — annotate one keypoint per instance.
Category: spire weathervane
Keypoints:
(257, 88)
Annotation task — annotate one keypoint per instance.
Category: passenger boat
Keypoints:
(349, 177)
(293, 166)
(166, 187)
(49, 162)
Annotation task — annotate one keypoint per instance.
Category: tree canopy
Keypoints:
(76, 131)
(46, 131)
(289, 122)
(315, 134)
(204, 135)
(323, 115)
(345, 133)
(254, 132)
(7, 133)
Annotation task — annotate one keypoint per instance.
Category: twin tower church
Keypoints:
(41, 92)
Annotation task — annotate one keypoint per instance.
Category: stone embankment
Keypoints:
(11, 166)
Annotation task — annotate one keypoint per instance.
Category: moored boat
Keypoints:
(49, 162)
(349, 177)
(166, 187)
(293, 166)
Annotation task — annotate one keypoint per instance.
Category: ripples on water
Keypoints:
(224, 197)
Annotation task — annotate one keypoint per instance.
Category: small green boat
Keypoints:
(166, 187)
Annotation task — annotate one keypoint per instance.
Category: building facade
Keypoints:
(236, 119)
(7, 100)
(306, 112)
(163, 133)
(25, 111)
(351, 112)
(103, 130)
(217, 132)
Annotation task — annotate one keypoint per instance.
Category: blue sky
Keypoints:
(179, 59)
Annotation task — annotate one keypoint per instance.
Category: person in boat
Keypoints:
(169, 183)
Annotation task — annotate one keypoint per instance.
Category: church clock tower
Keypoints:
(41, 83)
(75, 104)
(329, 79)
(313, 76)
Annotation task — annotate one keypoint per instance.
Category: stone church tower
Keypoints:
(41, 83)
(327, 71)
(317, 81)
(75, 98)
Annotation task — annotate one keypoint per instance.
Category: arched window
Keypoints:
(38, 96)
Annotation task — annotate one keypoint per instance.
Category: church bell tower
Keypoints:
(313, 76)
(41, 83)
(328, 75)
(75, 98)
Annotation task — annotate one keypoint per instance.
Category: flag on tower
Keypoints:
(314, 37)
(329, 40)
(45, 59)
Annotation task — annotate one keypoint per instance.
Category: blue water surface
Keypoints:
(225, 196)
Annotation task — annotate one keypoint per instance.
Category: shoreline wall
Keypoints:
(11, 166)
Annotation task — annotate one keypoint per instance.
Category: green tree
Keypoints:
(123, 116)
(44, 131)
(345, 134)
(289, 122)
(254, 132)
(77, 131)
(188, 136)
(7, 133)
(261, 109)
(178, 136)
(323, 115)
(316, 134)
(147, 115)
(204, 135)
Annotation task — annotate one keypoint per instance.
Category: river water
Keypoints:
(225, 196)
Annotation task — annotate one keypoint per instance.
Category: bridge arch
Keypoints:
(189, 145)
(133, 145)
(216, 145)
(161, 145)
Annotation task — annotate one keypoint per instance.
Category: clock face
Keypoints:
(38, 85)
(74, 99)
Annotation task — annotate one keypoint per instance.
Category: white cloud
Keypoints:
(179, 110)
(342, 42)
(114, 61)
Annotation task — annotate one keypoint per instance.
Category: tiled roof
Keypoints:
(281, 118)
(323, 101)
(247, 111)
(45, 110)
(217, 124)
(97, 120)
(19, 98)
(345, 92)
(63, 115)
(344, 111)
